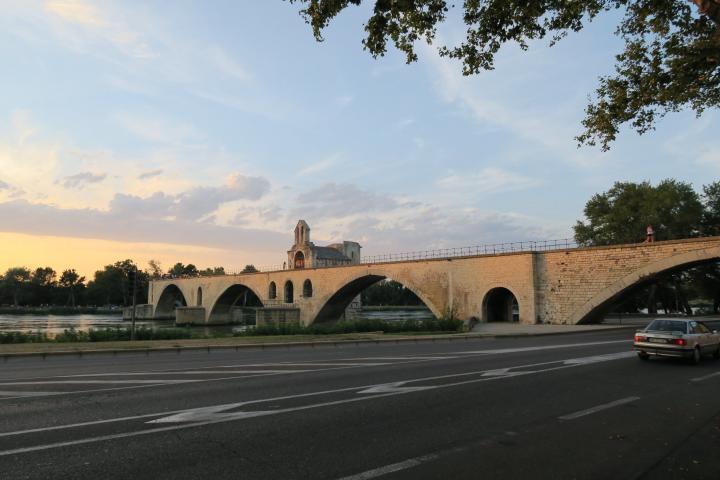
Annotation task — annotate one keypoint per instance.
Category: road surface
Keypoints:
(565, 406)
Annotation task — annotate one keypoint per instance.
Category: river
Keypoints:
(54, 324)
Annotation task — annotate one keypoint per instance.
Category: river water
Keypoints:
(54, 324)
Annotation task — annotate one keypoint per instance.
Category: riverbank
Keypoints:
(287, 341)
(59, 311)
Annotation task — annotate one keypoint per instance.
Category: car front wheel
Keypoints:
(716, 354)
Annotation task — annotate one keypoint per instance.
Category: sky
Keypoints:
(200, 132)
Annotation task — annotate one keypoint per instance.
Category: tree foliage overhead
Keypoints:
(671, 59)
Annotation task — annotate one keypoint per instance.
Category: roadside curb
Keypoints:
(330, 343)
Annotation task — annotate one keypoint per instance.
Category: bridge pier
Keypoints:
(190, 316)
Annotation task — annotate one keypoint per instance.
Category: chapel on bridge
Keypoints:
(305, 254)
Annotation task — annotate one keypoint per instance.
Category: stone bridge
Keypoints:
(566, 286)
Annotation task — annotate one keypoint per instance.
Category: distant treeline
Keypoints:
(389, 292)
(113, 285)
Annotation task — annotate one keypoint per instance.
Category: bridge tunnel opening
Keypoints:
(237, 304)
(170, 299)
(374, 297)
(500, 305)
(688, 289)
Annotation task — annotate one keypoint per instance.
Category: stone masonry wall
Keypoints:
(571, 283)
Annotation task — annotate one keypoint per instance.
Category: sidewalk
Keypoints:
(502, 329)
(486, 330)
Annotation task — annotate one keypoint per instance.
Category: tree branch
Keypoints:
(709, 8)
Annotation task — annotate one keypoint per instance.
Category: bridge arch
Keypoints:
(499, 304)
(587, 313)
(335, 303)
(236, 295)
(170, 298)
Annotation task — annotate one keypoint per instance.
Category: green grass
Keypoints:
(144, 333)
(98, 335)
(359, 326)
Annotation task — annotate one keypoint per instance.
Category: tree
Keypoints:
(389, 292)
(178, 270)
(42, 283)
(670, 61)
(155, 269)
(113, 286)
(15, 280)
(209, 271)
(249, 269)
(621, 214)
(71, 281)
(711, 204)
(191, 270)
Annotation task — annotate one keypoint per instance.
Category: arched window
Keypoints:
(272, 291)
(199, 297)
(299, 260)
(289, 298)
(307, 288)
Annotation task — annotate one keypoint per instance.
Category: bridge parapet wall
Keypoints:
(572, 284)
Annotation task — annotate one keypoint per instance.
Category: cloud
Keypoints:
(4, 186)
(200, 201)
(430, 227)
(82, 179)
(489, 180)
(344, 100)
(227, 65)
(340, 200)
(320, 165)
(496, 102)
(158, 206)
(96, 25)
(150, 174)
(155, 128)
(35, 219)
(404, 123)
(196, 204)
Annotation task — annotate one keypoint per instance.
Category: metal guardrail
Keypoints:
(486, 249)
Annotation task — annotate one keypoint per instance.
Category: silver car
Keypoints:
(677, 337)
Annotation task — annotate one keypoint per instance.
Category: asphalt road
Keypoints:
(569, 406)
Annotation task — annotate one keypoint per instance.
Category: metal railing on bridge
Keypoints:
(485, 249)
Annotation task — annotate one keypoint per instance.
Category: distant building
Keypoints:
(305, 254)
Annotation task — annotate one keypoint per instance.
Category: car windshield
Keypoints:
(667, 326)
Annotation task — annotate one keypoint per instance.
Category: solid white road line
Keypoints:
(700, 379)
(544, 347)
(15, 394)
(189, 372)
(598, 408)
(85, 382)
(394, 467)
